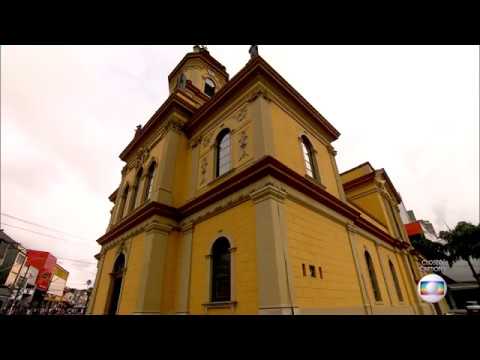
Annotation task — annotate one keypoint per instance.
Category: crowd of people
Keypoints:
(43, 309)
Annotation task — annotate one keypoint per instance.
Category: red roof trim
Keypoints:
(256, 66)
(172, 100)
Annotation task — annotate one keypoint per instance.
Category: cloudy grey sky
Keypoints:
(68, 111)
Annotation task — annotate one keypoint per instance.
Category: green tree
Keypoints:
(463, 243)
(430, 250)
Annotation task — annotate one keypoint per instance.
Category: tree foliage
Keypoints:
(429, 249)
(463, 243)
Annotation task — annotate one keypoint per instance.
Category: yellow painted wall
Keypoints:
(238, 224)
(241, 131)
(196, 71)
(316, 240)
(365, 244)
(369, 201)
(103, 285)
(368, 218)
(170, 281)
(183, 171)
(155, 153)
(131, 281)
(386, 256)
(286, 132)
(356, 173)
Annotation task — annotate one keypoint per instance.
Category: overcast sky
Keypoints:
(68, 111)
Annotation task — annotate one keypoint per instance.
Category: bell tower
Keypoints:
(200, 70)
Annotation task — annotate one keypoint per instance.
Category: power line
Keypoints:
(59, 258)
(36, 232)
(74, 260)
(42, 226)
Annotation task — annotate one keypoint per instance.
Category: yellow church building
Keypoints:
(230, 202)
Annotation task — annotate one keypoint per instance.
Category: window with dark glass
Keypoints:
(135, 189)
(373, 277)
(149, 181)
(223, 156)
(116, 284)
(395, 281)
(209, 87)
(308, 158)
(221, 270)
(312, 270)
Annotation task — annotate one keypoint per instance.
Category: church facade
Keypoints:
(230, 202)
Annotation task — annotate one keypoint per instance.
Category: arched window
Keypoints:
(373, 277)
(309, 158)
(133, 200)
(116, 284)
(149, 181)
(209, 87)
(395, 281)
(123, 201)
(220, 276)
(223, 157)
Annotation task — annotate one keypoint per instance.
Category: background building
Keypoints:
(462, 286)
(46, 264)
(13, 257)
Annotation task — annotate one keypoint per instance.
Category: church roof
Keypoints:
(258, 66)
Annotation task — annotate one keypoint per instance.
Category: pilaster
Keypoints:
(275, 287)
(261, 113)
(361, 282)
(341, 192)
(184, 270)
(151, 286)
(93, 296)
(163, 188)
(195, 151)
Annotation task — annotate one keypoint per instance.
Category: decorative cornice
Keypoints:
(261, 92)
(138, 216)
(267, 166)
(268, 192)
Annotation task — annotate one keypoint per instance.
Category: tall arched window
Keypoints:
(138, 178)
(149, 181)
(116, 284)
(309, 158)
(123, 201)
(220, 276)
(223, 156)
(373, 277)
(395, 281)
(209, 87)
